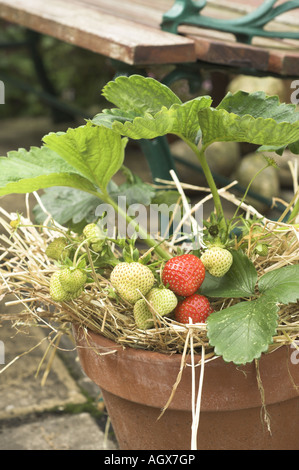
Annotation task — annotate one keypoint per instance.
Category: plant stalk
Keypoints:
(295, 211)
(200, 153)
(143, 233)
(247, 190)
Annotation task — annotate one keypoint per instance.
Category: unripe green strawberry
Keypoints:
(72, 279)
(142, 315)
(95, 236)
(261, 249)
(57, 249)
(132, 280)
(162, 301)
(75, 295)
(217, 261)
(57, 292)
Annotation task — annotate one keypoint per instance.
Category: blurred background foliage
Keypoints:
(78, 75)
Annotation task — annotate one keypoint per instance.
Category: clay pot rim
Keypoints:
(226, 386)
(147, 354)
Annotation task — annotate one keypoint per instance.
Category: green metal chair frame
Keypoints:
(244, 28)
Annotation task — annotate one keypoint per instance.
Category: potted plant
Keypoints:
(191, 334)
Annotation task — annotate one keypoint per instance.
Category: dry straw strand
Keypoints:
(25, 271)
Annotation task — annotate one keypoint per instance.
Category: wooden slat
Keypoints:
(129, 30)
(87, 26)
(229, 54)
(143, 12)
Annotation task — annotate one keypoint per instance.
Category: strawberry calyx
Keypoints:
(214, 234)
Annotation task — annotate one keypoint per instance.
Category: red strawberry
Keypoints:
(183, 274)
(197, 307)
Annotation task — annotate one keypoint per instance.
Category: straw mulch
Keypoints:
(25, 272)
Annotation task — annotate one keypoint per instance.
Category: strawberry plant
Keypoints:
(83, 162)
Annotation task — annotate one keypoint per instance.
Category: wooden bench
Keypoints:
(127, 31)
(130, 31)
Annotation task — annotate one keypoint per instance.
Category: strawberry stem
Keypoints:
(75, 261)
(200, 153)
(143, 233)
(295, 211)
(247, 189)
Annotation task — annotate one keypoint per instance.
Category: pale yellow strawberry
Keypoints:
(163, 301)
(72, 279)
(142, 315)
(95, 236)
(58, 293)
(132, 280)
(217, 261)
(58, 249)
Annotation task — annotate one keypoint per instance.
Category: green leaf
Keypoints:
(221, 126)
(67, 205)
(294, 147)
(96, 152)
(253, 118)
(186, 117)
(179, 119)
(25, 171)
(140, 95)
(137, 192)
(146, 127)
(258, 104)
(238, 282)
(243, 332)
(281, 285)
(108, 116)
(168, 197)
(148, 109)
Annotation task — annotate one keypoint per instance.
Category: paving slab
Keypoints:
(35, 417)
(21, 391)
(67, 432)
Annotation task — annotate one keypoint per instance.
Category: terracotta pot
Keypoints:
(136, 385)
